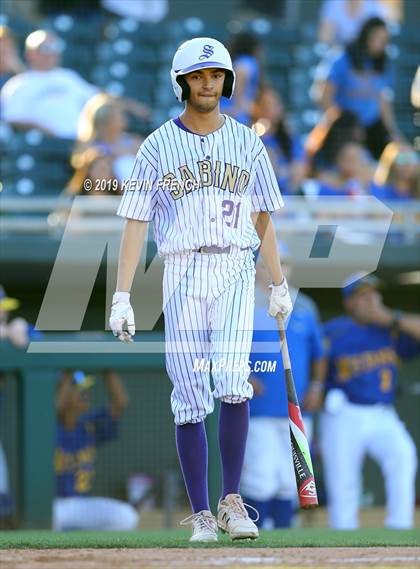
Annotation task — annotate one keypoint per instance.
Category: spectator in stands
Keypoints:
(397, 176)
(341, 20)
(10, 62)
(46, 97)
(351, 175)
(334, 128)
(246, 54)
(94, 175)
(268, 481)
(359, 80)
(79, 431)
(142, 10)
(102, 125)
(284, 147)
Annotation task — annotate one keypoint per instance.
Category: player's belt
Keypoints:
(215, 249)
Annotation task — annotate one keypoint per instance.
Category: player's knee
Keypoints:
(406, 454)
(190, 415)
(232, 393)
(180, 422)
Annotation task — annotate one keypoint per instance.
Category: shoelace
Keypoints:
(205, 521)
(238, 507)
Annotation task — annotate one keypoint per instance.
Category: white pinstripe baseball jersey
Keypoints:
(200, 190)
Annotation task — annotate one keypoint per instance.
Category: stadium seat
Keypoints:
(74, 30)
(43, 147)
(125, 49)
(35, 163)
(119, 80)
(21, 28)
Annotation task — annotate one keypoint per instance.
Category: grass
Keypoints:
(179, 539)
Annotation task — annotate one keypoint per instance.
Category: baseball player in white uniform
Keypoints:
(207, 183)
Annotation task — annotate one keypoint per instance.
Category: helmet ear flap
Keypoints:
(182, 82)
(228, 84)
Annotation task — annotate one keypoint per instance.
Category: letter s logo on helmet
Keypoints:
(208, 50)
(200, 53)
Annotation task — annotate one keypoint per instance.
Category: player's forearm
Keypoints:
(326, 32)
(116, 391)
(269, 250)
(408, 324)
(399, 321)
(64, 391)
(319, 372)
(131, 245)
(315, 393)
(388, 118)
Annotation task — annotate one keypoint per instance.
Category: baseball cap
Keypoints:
(82, 381)
(45, 42)
(6, 302)
(358, 282)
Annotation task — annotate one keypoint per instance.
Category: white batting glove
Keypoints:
(280, 301)
(122, 314)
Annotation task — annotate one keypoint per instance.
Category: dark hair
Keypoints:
(358, 49)
(243, 43)
(344, 129)
(284, 138)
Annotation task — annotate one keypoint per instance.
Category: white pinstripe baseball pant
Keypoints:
(208, 303)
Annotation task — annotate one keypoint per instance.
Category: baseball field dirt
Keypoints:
(170, 549)
(232, 558)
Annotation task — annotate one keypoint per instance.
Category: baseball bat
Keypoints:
(302, 462)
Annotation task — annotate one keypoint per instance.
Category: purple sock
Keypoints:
(233, 431)
(191, 443)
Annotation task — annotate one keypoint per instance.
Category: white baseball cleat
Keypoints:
(204, 526)
(233, 518)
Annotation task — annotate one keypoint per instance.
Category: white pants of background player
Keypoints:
(268, 467)
(4, 473)
(91, 513)
(208, 303)
(349, 432)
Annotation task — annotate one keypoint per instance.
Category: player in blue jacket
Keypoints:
(268, 479)
(80, 430)
(359, 419)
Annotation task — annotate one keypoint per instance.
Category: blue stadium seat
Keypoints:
(36, 164)
(21, 28)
